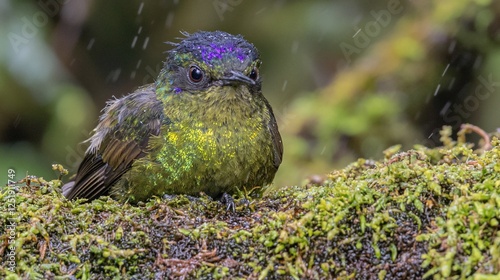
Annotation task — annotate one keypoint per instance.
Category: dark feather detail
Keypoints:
(89, 181)
(111, 154)
(276, 137)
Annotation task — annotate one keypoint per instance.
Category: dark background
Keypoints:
(347, 79)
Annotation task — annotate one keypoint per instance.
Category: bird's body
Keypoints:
(204, 126)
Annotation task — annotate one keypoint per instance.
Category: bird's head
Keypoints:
(206, 61)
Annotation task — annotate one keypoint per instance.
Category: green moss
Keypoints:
(420, 213)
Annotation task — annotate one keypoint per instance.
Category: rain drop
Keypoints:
(91, 43)
(133, 42)
(356, 33)
(445, 108)
(452, 82)
(437, 89)
(145, 43)
(17, 121)
(169, 20)
(428, 98)
(140, 8)
(446, 69)
(284, 85)
(260, 11)
(114, 75)
(477, 62)
(451, 48)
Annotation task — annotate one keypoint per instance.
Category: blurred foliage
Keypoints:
(62, 60)
(397, 92)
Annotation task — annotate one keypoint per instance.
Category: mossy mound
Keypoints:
(421, 213)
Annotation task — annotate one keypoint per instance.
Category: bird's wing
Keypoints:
(121, 137)
(275, 134)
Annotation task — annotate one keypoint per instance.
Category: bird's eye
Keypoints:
(254, 74)
(195, 74)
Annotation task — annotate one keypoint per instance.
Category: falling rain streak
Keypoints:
(477, 62)
(133, 42)
(428, 98)
(284, 85)
(445, 69)
(445, 108)
(140, 8)
(114, 75)
(437, 89)
(91, 44)
(144, 46)
(356, 33)
(169, 20)
(451, 48)
(260, 11)
(452, 82)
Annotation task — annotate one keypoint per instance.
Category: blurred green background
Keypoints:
(347, 79)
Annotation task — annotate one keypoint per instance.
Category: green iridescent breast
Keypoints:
(213, 143)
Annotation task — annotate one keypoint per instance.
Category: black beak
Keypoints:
(235, 77)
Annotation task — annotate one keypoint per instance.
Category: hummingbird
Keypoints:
(203, 126)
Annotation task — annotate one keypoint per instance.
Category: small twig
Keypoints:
(467, 128)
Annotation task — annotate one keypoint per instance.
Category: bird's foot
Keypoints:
(169, 196)
(228, 200)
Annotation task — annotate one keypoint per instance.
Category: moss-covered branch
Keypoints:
(420, 213)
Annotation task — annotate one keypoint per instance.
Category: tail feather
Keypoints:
(66, 188)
